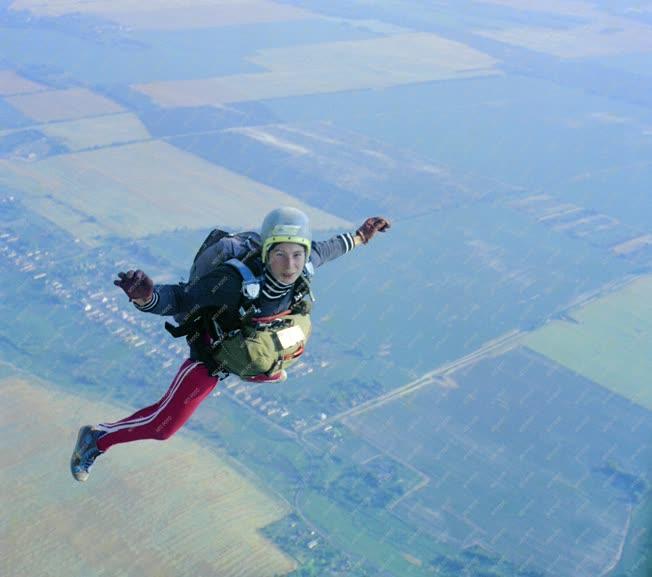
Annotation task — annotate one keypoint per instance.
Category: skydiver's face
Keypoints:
(286, 261)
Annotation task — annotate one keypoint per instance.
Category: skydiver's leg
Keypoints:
(161, 420)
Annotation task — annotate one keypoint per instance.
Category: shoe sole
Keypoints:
(79, 475)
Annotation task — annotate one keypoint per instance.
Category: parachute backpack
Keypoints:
(262, 345)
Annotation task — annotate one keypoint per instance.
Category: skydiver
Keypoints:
(248, 315)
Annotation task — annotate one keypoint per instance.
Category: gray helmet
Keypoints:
(285, 224)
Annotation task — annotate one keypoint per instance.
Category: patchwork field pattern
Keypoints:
(11, 83)
(106, 192)
(607, 341)
(336, 169)
(171, 14)
(63, 104)
(332, 67)
(511, 469)
(97, 131)
(149, 508)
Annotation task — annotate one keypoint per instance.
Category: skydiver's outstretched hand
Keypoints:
(136, 284)
(371, 226)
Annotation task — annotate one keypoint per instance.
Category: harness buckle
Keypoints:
(221, 373)
(251, 290)
(246, 314)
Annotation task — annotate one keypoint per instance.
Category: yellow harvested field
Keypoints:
(581, 42)
(152, 508)
(564, 7)
(171, 14)
(97, 131)
(603, 34)
(632, 245)
(11, 83)
(331, 67)
(146, 188)
(63, 104)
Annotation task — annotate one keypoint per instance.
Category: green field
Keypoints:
(363, 536)
(496, 452)
(584, 148)
(607, 341)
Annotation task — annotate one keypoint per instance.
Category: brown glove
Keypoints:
(136, 284)
(371, 226)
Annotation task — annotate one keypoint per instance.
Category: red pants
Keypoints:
(161, 420)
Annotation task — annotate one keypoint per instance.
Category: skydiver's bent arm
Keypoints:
(222, 288)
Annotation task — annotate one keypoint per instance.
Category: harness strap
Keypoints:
(206, 334)
(250, 282)
(271, 318)
(177, 331)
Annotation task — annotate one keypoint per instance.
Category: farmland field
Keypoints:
(286, 467)
(607, 341)
(435, 426)
(479, 125)
(507, 433)
(158, 55)
(636, 560)
(10, 117)
(172, 14)
(63, 104)
(600, 32)
(336, 169)
(331, 67)
(165, 509)
(12, 83)
(635, 63)
(431, 290)
(582, 42)
(584, 9)
(361, 536)
(106, 192)
(434, 319)
(97, 131)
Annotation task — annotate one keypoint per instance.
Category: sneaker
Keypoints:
(85, 452)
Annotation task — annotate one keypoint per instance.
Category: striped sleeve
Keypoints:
(327, 250)
(220, 288)
(149, 305)
(347, 239)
